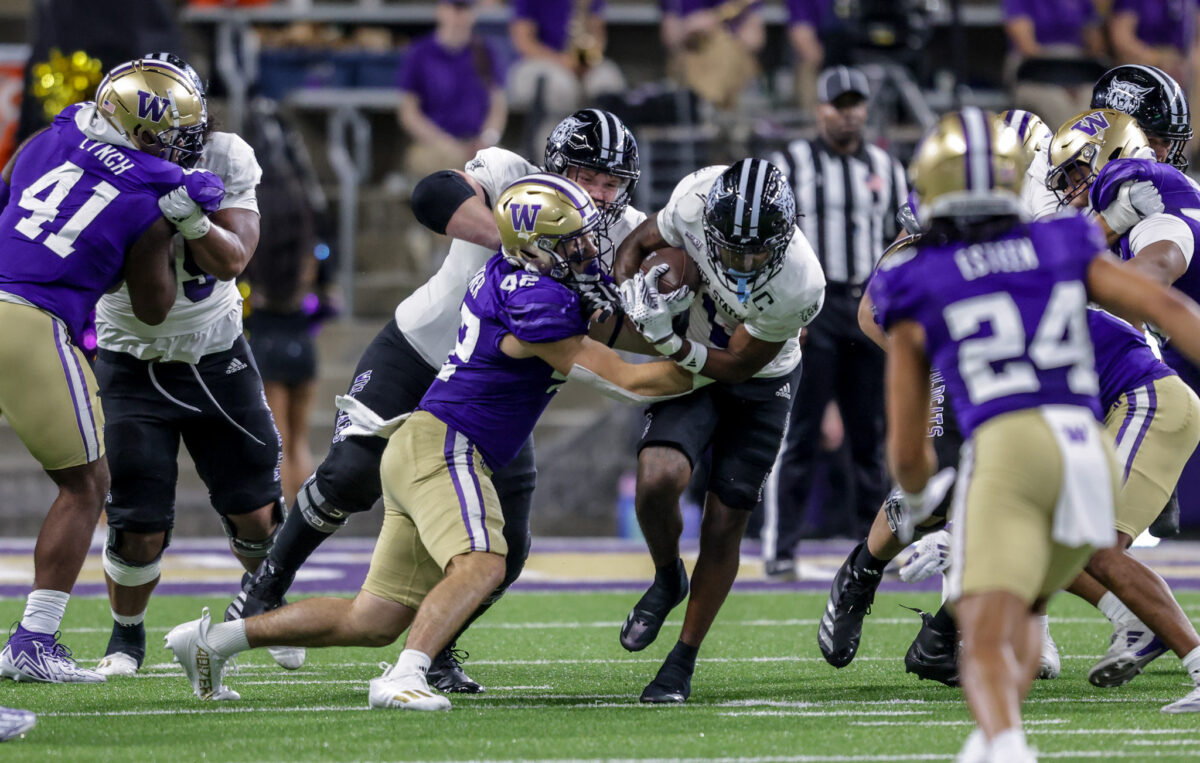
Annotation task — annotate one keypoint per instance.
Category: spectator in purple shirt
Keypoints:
(1062, 29)
(1157, 33)
(561, 44)
(453, 85)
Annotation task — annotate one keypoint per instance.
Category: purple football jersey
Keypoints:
(1005, 320)
(1180, 197)
(1124, 361)
(76, 206)
(490, 397)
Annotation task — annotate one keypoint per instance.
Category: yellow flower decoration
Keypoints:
(64, 80)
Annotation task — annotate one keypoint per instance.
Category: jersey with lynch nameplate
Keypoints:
(1005, 320)
(429, 316)
(776, 310)
(491, 398)
(77, 205)
(207, 314)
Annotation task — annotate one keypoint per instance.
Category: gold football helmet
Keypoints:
(969, 164)
(158, 107)
(1029, 126)
(547, 224)
(1084, 144)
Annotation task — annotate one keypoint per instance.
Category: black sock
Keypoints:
(130, 639)
(864, 560)
(683, 654)
(670, 576)
(296, 541)
(943, 621)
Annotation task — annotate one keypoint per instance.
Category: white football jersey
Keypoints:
(1037, 200)
(429, 318)
(207, 314)
(776, 310)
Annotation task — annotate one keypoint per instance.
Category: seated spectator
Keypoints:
(805, 19)
(453, 81)
(1052, 31)
(561, 44)
(713, 46)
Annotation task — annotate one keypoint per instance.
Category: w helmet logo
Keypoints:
(524, 217)
(1092, 124)
(152, 106)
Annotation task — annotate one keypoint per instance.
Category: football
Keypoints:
(683, 270)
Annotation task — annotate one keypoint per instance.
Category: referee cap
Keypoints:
(838, 80)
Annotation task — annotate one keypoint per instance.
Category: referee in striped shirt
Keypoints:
(848, 192)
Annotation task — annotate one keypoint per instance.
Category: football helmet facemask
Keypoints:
(749, 219)
(970, 164)
(1154, 99)
(1085, 144)
(548, 226)
(596, 140)
(158, 107)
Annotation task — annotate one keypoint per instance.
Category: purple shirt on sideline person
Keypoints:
(551, 18)
(449, 84)
(1162, 22)
(814, 13)
(1058, 22)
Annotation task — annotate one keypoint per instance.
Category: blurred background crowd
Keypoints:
(349, 102)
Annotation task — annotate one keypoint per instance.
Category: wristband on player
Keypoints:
(696, 357)
(670, 345)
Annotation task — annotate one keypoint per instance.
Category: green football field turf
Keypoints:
(561, 687)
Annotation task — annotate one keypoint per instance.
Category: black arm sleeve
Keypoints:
(437, 197)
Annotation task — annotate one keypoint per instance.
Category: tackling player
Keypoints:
(1000, 306)
(190, 378)
(441, 550)
(760, 284)
(591, 147)
(81, 214)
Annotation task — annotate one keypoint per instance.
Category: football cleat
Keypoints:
(117, 664)
(1166, 524)
(1049, 663)
(404, 691)
(782, 570)
(933, 654)
(850, 600)
(30, 656)
(1133, 646)
(672, 685)
(203, 667)
(646, 618)
(1189, 704)
(446, 673)
(15, 723)
(288, 657)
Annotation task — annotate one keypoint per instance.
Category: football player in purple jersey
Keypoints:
(1000, 307)
(442, 550)
(83, 212)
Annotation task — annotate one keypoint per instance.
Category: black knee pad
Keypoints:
(317, 512)
(255, 549)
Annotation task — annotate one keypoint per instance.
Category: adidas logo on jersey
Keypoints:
(234, 366)
(785, 391)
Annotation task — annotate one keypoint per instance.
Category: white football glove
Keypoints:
(186, 215)
(1135, 202)
(647, 310)
(930, 556)
(906, 511)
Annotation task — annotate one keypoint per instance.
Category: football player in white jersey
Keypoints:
(591, 147)
(190, 378)
(761, 283)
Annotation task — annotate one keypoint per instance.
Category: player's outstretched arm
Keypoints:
(1128, 292)
(1163, 261)
(638, 245)
(583, 359)
(225, 251)
(909, 451)
(454, 204)
(150, 274)
(866, 321)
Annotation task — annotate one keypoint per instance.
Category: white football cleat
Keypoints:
(288, 657)
(117, 664)
(1189, 704)
(1049, 663)
(404, 691)
(203, 667)
(1133, 646)
(14, 723)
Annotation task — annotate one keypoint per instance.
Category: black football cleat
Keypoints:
(1166, 524)
(933, 654)
(672, 685)
(646, 618)
(446, 674)
(262, 591)
(850, 600)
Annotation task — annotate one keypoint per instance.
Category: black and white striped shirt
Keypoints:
(847, 204)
